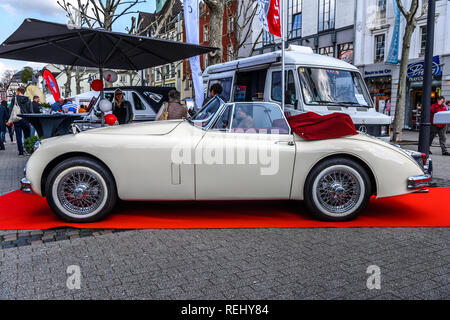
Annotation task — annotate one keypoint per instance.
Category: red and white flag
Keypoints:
(270, 16)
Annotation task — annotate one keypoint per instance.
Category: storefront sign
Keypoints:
(416, 70)
(378, 73)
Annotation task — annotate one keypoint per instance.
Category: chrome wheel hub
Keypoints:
(338, 191)
(80, 192)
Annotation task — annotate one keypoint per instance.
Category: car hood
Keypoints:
(144, 128)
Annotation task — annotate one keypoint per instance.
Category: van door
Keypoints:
(272, 93)
(226, 80)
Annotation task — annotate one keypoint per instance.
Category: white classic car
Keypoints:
(226, 151)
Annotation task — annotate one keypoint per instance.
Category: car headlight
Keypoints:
(384, 131)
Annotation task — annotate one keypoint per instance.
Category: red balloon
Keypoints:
(97, 85)
(110, 119)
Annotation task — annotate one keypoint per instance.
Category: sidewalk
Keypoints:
(11, 168)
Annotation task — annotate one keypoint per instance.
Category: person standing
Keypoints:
(4, 116)
(36, 108)
(122, 108)
(21, 126)
(439, 129)
(175, 109)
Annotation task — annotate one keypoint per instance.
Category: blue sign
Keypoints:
(416, 70)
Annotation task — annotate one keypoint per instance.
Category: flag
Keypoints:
(51, 84)
(191, 23)
(270, 16)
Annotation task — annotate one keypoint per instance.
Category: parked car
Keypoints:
(145, 102)
(221, 153)
(314, 83)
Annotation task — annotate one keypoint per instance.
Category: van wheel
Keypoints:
(80, 190)
(337, 190)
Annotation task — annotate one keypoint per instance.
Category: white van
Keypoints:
(313, 82)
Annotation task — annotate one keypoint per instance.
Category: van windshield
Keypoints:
(323, 86)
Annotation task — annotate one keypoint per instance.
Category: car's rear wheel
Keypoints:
(81, 190)
(337, 190)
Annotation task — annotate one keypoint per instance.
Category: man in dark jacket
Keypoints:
(21, 125)
(36, 104)
(4, 116)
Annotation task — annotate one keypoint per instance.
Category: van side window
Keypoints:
(249, 85)
(138, 105)
(226, 86)
(290, 96)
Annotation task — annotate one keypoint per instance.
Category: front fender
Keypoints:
(389, 166)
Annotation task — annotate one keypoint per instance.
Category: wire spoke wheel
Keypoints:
(80, 191)
(338, 191)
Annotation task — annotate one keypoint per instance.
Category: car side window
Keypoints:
(259, 118)
(138, 104)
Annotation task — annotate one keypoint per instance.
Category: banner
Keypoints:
(191, 21)
(393, 50)
(270, 16)
(51, 84)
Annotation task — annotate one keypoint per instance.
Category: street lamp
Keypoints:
(424, 134)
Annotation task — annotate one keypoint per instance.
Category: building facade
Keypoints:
(375, 40)
(326, 26)
(171, 28)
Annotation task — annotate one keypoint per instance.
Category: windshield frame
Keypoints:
(213, 118)
(333, 103)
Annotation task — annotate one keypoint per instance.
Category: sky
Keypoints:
(13, 12)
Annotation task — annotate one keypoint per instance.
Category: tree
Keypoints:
(156, 27)
(216, 11)
(411, 20)
(7, 79)
(26, 75)
(243, 20)
(101, 13)
(92, 13)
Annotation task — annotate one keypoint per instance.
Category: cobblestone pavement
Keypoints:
(224, 263)
(11, 167)
(234, 264)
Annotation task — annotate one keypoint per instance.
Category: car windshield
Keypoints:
(204, 117)
(321, 86)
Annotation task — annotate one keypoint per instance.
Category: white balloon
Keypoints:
(110, 76)
(105, 105)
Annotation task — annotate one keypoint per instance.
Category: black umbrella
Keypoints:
(48, 42)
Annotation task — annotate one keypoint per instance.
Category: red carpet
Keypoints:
(21, 211)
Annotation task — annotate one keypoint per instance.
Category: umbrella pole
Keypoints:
(101, 96)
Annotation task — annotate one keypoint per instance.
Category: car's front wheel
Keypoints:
(81, 190)
(337, 190)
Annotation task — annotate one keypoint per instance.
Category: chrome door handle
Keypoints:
(289, 143)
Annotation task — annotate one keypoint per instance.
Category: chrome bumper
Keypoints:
(25, 185)
(419, 182)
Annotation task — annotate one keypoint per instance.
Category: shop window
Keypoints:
(345, 52)
(327, 51)
(380, 43)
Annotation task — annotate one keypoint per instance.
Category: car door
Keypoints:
(141, 110)
(241, 159)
